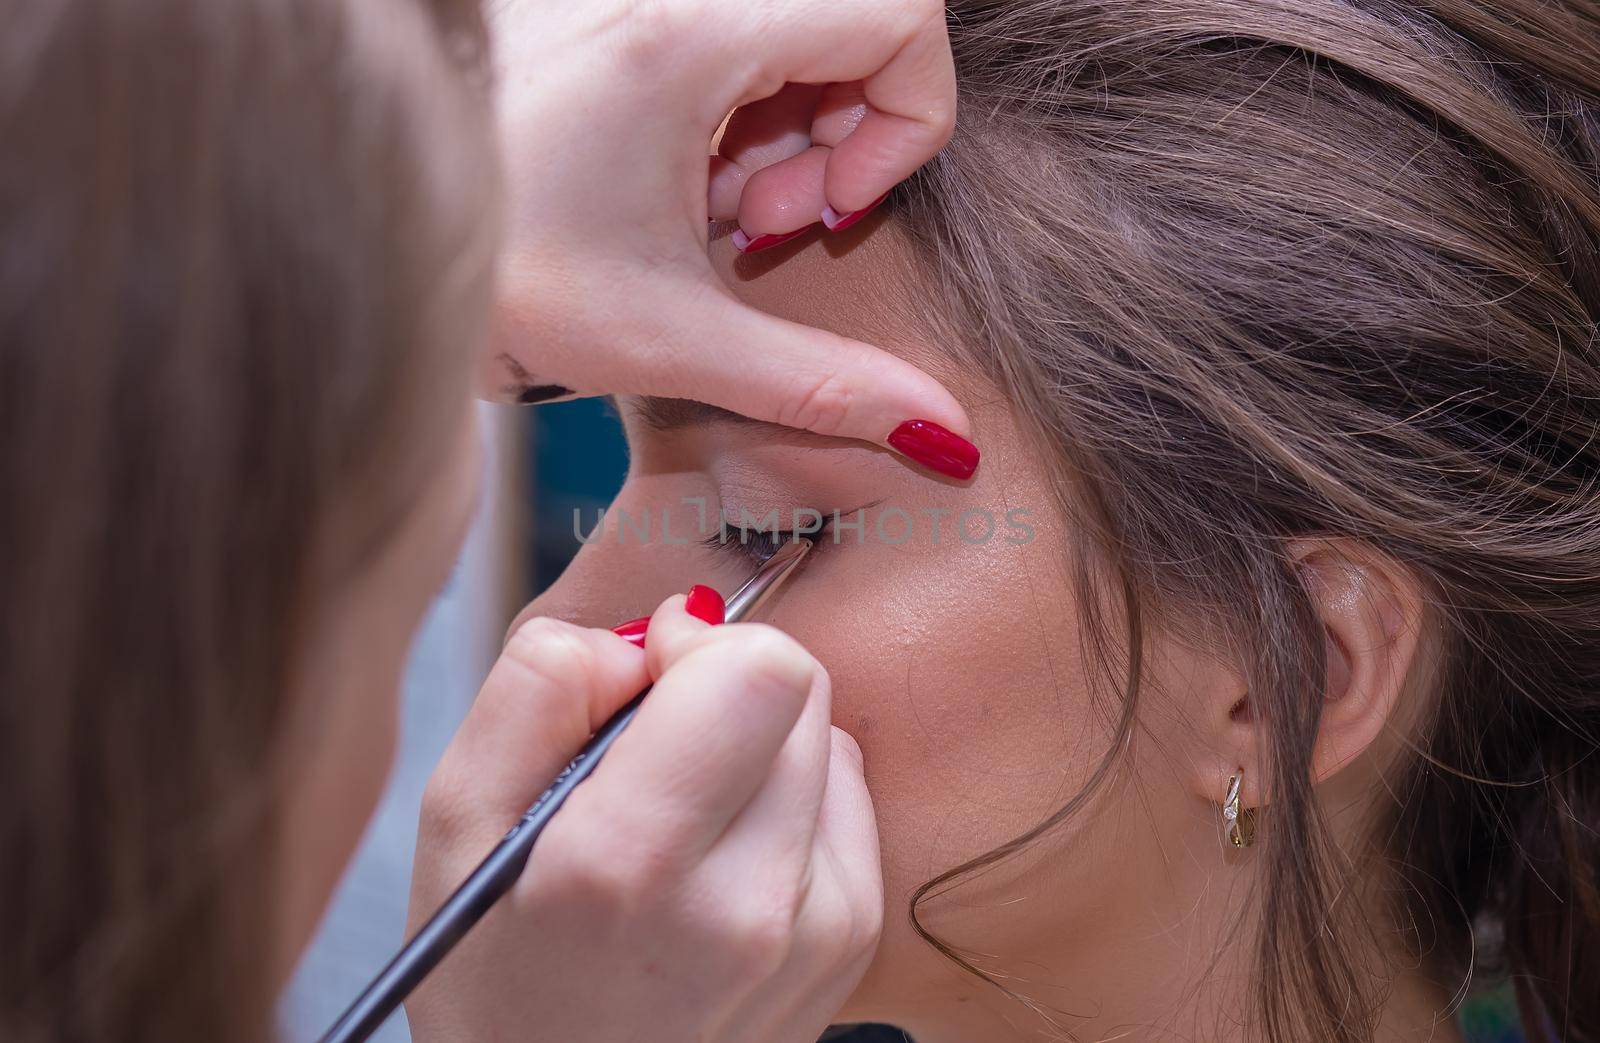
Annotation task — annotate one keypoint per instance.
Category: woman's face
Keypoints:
(952, 643)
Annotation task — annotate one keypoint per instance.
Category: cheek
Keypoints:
(958, 670)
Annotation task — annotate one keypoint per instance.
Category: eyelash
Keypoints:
(757, 545)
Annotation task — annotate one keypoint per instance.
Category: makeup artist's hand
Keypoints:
(715, 880)
(609, 108)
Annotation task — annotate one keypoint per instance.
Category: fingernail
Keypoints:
(936, 448)
(746, 245)
(633, 630)
(838, 222)
(705, 603)
(702, 603)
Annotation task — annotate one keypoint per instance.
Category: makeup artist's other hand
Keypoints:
(715, 880)
(609, 108)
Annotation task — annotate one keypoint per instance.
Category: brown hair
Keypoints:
(232, 236)
(1255, 272)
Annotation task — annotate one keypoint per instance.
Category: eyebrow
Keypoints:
(674, 414)
(666, 415)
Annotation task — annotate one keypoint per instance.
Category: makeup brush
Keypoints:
(497, 872)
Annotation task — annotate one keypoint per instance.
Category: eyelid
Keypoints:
(756, 544)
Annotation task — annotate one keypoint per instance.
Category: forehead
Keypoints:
(859, 284)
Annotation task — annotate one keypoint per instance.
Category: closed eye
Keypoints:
(757, 545)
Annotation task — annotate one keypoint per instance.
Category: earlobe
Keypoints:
(1230, 746)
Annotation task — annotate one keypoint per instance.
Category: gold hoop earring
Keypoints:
(1239, 822)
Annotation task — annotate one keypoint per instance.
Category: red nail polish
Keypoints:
(705, 603)
(933, 447)
(702, 603)
(633, 630)
(748, 245)
(837, 222)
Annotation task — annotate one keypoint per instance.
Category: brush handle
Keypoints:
(494, 876)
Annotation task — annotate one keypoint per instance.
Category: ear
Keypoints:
(1370, 608)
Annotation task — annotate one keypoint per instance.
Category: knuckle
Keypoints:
(768, 642)
(550, 650)
(849, 926)
(448, 813)
(772, 661)
(537, 630)
(823, 406)
(608, 882)
(762, 641)
(763, 937)
(865, 927)
(598, 877)
(439, 799)
(845, 745)
(573, 880)
(741, 643)
(451, 831)
(645, 33)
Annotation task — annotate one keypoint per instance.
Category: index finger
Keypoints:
(730, 354)
(707, 737)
